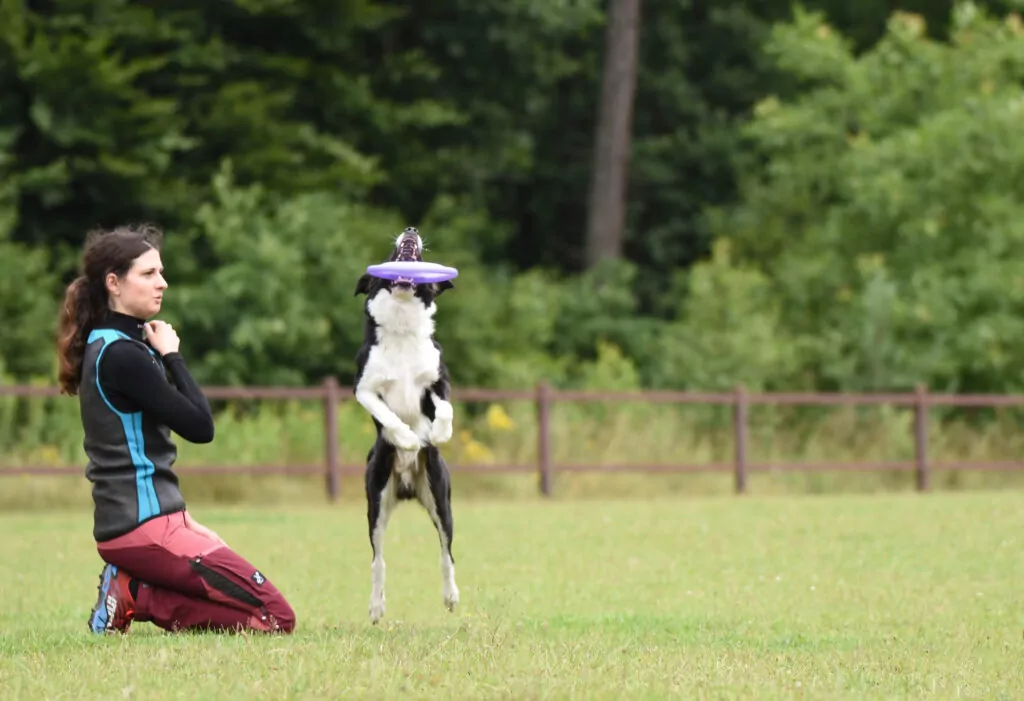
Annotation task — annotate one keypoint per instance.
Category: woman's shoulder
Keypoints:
(126, 351)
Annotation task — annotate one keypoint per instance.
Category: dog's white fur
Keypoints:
(404, 362)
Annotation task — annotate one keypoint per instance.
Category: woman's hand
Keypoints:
(162, 337)
(194, 525)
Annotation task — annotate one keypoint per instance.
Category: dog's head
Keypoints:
(408, 247)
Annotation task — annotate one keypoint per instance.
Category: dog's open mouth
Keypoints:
(408, 249)
(409, 246)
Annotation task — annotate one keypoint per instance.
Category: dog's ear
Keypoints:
(363, 286)
(440, 287)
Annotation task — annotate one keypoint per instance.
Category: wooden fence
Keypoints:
(331, 394)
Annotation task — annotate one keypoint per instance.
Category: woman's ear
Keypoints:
(113, 284)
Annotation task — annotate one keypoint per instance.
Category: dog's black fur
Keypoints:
(403, 382)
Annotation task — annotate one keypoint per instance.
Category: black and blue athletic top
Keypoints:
(131, 399)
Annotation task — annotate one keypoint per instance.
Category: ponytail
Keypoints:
(77, 317)
(85, 299)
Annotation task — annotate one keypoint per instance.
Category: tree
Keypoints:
(608, 192)
(886, 216)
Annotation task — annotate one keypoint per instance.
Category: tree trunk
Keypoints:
(606, 216)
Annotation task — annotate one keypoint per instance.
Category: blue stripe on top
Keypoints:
(149, 506)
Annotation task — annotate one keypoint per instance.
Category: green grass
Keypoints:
(860, 597)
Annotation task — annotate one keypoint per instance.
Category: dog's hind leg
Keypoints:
(434, 492)
(380, 500)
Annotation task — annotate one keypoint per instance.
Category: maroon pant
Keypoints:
(190, 579)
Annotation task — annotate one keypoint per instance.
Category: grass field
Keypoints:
(874, 596)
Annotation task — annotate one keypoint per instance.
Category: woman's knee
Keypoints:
(282, 612)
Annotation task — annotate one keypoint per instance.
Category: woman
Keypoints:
(134, 389)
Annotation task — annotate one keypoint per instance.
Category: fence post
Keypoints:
(740, 427)
(544, 437)
(921, 437)
(332, 466)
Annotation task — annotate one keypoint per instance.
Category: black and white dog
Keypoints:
(402, 380)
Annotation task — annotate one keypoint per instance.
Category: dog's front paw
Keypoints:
(402, 437)
(440, 431)
(443, 410)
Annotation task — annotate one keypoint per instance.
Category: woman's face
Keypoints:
(140, 293)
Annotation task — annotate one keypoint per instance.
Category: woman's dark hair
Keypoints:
(85, 300)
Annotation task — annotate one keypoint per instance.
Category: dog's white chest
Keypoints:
(404, 361)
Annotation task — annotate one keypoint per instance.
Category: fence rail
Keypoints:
(544, 397)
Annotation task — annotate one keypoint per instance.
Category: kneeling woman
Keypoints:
(134, 389)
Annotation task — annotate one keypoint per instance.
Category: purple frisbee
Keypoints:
(418, 272)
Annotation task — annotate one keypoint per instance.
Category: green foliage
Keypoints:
(702, 68)
(886, 222)
(478, 111)
(276, 301)
(809, 207)
(729, 332)
(86, 124)
(598, 306)
(121, 111)
(27, 311)
(270, 85)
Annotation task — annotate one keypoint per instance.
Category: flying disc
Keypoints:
(417, 271)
